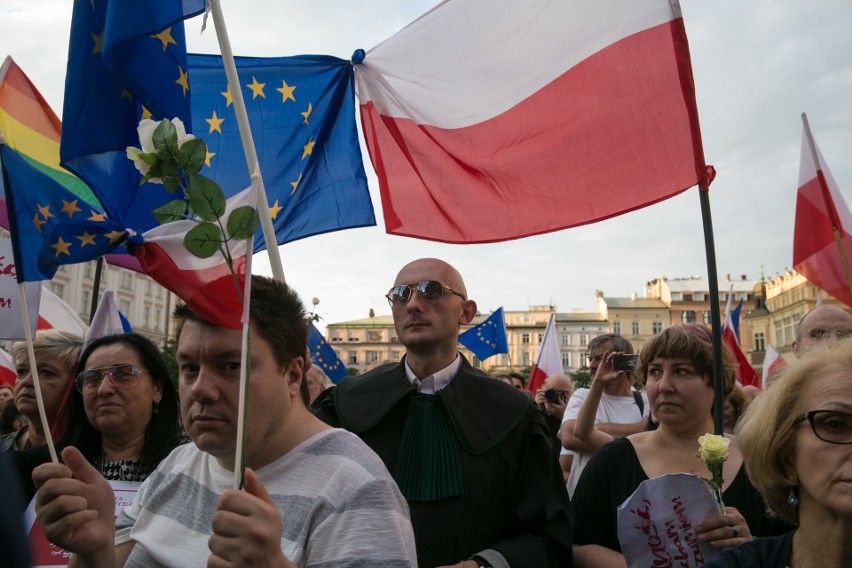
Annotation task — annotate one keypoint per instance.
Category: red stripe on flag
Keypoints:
(614, 133)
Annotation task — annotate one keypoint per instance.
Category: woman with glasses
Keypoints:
(796, 439)
(676, 367)
(123, 413)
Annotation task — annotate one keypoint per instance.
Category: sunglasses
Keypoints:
(427, 289)
(122, 376)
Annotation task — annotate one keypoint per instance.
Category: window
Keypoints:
(525, 338)
(124, 307)
(335, 340)
(540, 337)
(353, 340)
(394, 355)
(148, 287)
(353, 358)
(676, 296)
(687, 297)
(126, 281)
(526, 360)
(584, 339)
(57, 288)
(635, 327)
(584, 360)
(146, 316)
(566, 360)
(759, 341)
(707, 318)
(156, 322)
(504, 359)
(87, 270)
(687, 316)
(87, 302)
(616, 327)
(565, 340)
(698, 296)
(372, 357)
(657, 327)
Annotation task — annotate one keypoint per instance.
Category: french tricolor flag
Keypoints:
(205, 284)
(491, 121)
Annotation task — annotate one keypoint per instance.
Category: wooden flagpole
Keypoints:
(829, 203)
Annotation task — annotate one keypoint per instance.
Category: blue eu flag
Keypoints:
(324, 356)
(487, 338)
(50, 225)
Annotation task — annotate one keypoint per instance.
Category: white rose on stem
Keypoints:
(146, 130)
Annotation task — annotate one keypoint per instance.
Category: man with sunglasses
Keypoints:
(312, 495)
(471, 455)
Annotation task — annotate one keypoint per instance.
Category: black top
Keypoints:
(614, 473)
(772, 552)
(513, 498)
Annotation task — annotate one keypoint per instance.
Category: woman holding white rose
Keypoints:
(676, 367)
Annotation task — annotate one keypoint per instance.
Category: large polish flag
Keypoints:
(487, 121)
(822, 239)
(205, 284)
(549, 361)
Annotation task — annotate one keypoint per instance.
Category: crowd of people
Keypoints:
(427, 461)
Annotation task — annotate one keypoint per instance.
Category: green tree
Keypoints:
(168, 352)
(581, 379)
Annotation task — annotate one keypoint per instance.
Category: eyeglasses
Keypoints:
(122, 376)
(830, 426)
(428, 290)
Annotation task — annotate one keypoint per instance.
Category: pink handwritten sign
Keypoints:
(656, 525)
(44, 553)
(11, 326)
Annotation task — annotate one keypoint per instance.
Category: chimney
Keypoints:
(372, 313)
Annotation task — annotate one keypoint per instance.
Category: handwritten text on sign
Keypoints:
(656, 525)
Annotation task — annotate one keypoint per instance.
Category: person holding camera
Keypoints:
(552, 399)
(621, 411)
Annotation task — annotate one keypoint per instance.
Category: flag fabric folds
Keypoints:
(50, 225)
(53, 313)
(208, 285)
(549, 361)
(122, 66)
(30, 128)
(823, 225)
(8, 371)
(488, 338)
(551, 115)
(302, 115)
(323, 356)
(772, 362)
(746, 374)
(107, 320)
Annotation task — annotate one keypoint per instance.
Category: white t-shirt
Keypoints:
(338, 504)
(611, 410)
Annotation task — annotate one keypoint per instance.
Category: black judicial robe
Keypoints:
(513, 498)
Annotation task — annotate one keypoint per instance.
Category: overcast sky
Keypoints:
(757, 66)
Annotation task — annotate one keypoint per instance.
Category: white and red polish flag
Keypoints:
(205, 284)
(772, 361)
(8, 371)
(53, 313)
(488, 121)
(549, 360)
(746, 374)
(822, 243)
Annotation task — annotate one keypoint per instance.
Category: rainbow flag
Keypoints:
(30, 127)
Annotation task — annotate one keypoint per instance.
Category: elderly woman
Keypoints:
(123, 414)
(56, 354)
(676, 367)
(796, 439)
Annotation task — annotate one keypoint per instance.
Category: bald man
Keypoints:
(472, 455)
(823, 325)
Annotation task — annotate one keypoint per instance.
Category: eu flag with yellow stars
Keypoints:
(323, 356)
(50, 225)
(487, 338)
(126, 61)
(302, 115)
